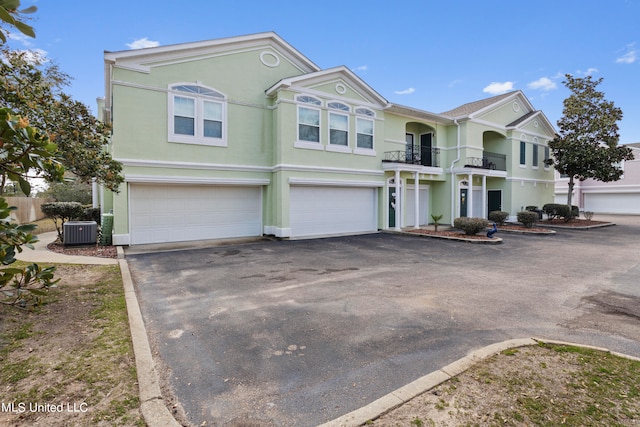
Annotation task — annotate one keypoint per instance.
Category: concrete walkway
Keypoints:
(41, 254)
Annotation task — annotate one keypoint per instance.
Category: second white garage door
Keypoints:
(615, 203)
(322, 211)
(175, 213)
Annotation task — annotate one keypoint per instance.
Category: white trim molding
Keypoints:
(334, 182)
(151, 179)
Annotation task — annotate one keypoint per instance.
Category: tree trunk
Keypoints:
(570, 192)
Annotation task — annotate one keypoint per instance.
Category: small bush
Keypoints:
(527, 218)
(531, 208)
(499, 217)
(61, 212)
(557, 210)
(587, 215)
(470, 226)
(89, 213)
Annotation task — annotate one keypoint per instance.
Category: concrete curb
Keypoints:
(402, 395)
(495, 240)
(423, 384)
(583, 227)
(152, 406)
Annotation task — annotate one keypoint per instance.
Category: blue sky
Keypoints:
(433, 55)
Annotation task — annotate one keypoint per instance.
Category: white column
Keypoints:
(470, 197)
(416, 200)
(94, 193)
(398, 197)
(484, 196)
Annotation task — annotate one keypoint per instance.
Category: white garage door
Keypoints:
(318, 211)
(175, 213)
(620, 203)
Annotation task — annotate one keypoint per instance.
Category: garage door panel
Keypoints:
(616, 203)
(317, 211)
(174, 213)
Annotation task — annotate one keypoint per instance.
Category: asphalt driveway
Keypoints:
(297, 333)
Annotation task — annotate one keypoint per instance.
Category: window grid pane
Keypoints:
(184, 125)
(185, 107)
(364, 130)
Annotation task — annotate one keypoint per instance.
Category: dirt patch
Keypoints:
(71, 361)
(537, 385)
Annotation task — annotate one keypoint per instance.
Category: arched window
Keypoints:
(197, 115)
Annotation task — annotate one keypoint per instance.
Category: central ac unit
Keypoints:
(80, 233)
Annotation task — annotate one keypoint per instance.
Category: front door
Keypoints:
(494, 200)
(425, 149)
(392, 207)
(463, 201)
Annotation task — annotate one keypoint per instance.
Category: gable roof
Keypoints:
(416, 113)
(475, 106)
(327, 75)
(139, 59)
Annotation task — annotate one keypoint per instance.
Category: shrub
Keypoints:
(557, 210)
(61, 212)
(470, 226)
(531, 208)
(527, 218)
(499, 217)
(89, 213)
(587, 215)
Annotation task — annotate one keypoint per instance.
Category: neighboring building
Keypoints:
(618, 197)
(246, 136)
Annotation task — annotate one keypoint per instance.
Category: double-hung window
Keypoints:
(364, 128)
(309, 119)
(338, 124)
(534, 158)
(197, 115)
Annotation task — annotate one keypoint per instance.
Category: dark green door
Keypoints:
(426, 157)
(463, 201)
(392, 207)
(494, 200)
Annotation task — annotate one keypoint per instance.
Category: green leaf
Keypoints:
(25, 186)
(30, 9)
(6, 16)
(25, 29)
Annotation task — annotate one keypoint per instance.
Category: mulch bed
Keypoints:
(93, 250)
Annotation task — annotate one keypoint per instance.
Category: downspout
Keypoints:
(453, 180)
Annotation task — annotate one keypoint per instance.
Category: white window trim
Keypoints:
(329, 144)
(373, 135)
(198, 138)
(300, 143)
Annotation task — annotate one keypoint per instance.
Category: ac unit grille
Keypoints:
(80, 233)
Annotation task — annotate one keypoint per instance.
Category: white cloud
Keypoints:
(454, 83)
(497, 88)
(361, 68)
(589, 72)
(142, 43)
(408, 91)
(543, 83)
(630, 56)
